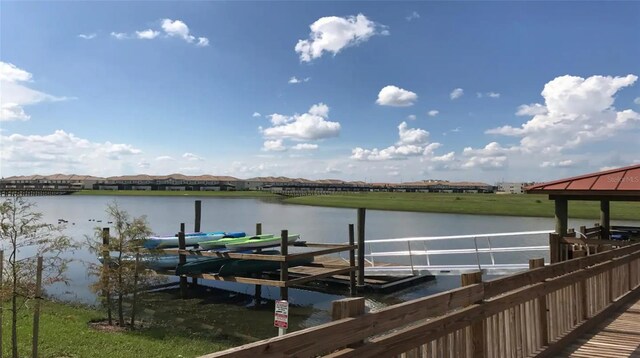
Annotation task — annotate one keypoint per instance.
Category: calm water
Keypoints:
(315, 224)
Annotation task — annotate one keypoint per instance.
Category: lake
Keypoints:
(315, 224)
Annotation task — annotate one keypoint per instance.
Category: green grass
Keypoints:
(480, 204)
(231, 194)
(64, 332)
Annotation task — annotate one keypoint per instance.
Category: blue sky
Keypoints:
(486, 90)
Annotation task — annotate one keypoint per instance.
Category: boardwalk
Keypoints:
(616, 337)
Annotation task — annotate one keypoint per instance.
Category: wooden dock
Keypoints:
(616, 337)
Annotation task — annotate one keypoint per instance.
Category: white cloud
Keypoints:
(147, 34)
(14, 94)
(256, 115)
(332, 170)
(414, 15)
(177, 28)
(87, 36)
(433, 112)
(273, 146)
(576, 111)
(192, 157)
(332, 34)
(412, 142)
(165, 158)
(456, 93)
(202, 42)
(305, 146)
(531, 109)
(312, 125)
(637, 100)
(396, 97)
(411, 117)
(560, 164)
(295, 80)
(143, 164)
(62, 152)
(493, 94)
(486, 163)
(119, 35)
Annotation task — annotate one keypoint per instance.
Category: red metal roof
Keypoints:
(617, 182)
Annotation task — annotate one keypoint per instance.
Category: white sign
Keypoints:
(281, 318)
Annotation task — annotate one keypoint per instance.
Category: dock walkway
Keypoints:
(616, 337)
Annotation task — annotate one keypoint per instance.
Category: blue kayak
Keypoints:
(191, 239)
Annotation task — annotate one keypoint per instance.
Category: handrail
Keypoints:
(450, 237)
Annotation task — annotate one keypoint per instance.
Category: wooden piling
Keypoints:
(258, 228)
(352, 263)
(477, 327)
(284, 266)
(347, 307)
(36, 308)
(258, 288)
(362, 213)
(198, 217)
(542, 306)
(182, 260)
(554, 248)
(106, 262)
(134, 302)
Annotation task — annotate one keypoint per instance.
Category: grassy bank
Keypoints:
(65, 332)
(230, 194)
(485, 204)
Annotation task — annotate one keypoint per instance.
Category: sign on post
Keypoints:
(281, 318)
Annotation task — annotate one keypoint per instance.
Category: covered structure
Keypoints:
(622, 184)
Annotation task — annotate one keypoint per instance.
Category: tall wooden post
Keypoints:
(477, 327)
(284, 271)
(196, 226)
(542, 304)
(258, 288)
(134, 302)
(562, 216)
(362, 213)
(182, 259)
(106, 266)
(352, 263)
(605, 219)
(554, 248)
(36, 308)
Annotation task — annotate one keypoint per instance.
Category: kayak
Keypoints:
(220, 243)
(258, 242)
(157, 262)
(247, 267)
(161, 242)
(210, 265)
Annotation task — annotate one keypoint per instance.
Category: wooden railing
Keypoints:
(533, 313)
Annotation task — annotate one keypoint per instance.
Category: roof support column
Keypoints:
(605, 218)
(562, 216)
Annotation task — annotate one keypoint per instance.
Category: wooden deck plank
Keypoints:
(615, 338)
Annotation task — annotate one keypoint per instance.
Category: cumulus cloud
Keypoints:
(295, 80)
(433, 113)
(165, 158)
(413, 16)
(637, 100)
(333, 33)
(396, 97)
(15, 94)
(576, 111)
(312, 125)
(273, 146)
(119, 35)
(87, 36)
(412, 142)
(305, 146)
(456, 93)
(147, 34)
(62, 151)
(488, 94)
(256, 115)
(192, 157)
(559, 164)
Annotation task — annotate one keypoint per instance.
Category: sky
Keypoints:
(372, 91)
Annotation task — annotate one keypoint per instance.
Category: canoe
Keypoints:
(210, 265)
(161, 242)
(258, 242)
(220, 243)
(247, 267)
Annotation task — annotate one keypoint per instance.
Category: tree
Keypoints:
(24, 236)
(122, 275)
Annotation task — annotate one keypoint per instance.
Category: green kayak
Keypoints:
(247, 267)
(210, 265)
(221, 243)
(245, 243)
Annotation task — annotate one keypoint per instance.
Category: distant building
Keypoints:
(511, 188)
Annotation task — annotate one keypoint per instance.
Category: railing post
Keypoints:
(352, 262)
(362, 212)
(477, 327)
(542, 305)
(182, 259)
(345, 308)
(554, 248)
